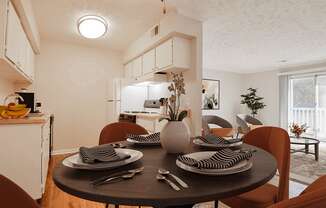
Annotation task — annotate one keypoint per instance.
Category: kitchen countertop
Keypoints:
(27, 120)
(153, 116)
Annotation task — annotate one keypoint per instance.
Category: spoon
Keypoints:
(163, 178)
(166, 172)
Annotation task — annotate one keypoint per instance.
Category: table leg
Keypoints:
(306, 149)
(216, 204)
(316, 152)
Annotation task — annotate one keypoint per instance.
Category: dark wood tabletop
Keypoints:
(144, 189)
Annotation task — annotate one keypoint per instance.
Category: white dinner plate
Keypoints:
(238, 168)
(142, 143)
(76, 162)
(201, 143)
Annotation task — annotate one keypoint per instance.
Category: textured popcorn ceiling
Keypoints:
(239, 35)
(256, 35)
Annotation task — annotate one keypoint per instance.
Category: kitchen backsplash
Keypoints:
(133, 97)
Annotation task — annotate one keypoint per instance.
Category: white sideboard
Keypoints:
(24, 153)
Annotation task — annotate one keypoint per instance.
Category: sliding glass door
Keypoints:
(307, 103)
(321, 107)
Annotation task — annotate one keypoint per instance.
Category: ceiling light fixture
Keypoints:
(92, 26)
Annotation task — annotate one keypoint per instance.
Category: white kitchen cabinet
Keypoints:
(13, 36)
(129, 73)
(164, 54)
(148, 124)
(24, 153)
(149, 62)
(17, 52)
(137, 67)
(175, 53)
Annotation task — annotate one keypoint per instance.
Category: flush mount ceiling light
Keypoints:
(92, 26)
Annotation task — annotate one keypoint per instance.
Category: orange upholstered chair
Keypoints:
(313, 196)
(275, 141)
(118, 131)
(11, 195)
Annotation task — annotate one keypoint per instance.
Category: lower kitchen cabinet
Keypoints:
(24, 153)
(150, 124)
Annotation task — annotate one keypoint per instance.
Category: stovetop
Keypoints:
(145, 112)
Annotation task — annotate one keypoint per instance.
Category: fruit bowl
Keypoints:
(14, 111)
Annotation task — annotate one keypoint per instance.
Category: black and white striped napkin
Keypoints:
(214, 139)
(222, 159)
(149, 138)
(101, 153)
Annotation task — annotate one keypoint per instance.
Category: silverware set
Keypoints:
(129, 174)
(162, 176)
(115, 177)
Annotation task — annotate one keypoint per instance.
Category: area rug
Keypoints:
(304, 167)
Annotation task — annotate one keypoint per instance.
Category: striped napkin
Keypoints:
(214, 139)
(222, 159)
(101, 153)
(149, 138)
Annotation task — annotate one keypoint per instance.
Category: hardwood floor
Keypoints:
(55, 198)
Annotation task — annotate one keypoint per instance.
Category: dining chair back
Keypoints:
(225, 127)
(313, 196)
(118, 131)
(276, 141)
(244, 122)
(11, 195)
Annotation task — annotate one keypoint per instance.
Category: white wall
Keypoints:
(267, 85)
(6, 88)
(71, 82)
(231, 85)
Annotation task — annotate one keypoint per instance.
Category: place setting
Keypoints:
(214, 141)
(145, 140)
(221, 162)
(102, 157)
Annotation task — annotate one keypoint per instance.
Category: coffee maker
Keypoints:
(29, 99)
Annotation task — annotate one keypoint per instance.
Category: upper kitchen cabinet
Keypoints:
(16, 52)
(128, 71)
(134, 69)
(173, 55)
(149, 62)
(138, 67)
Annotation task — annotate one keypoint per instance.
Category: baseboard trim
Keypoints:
(64, 151)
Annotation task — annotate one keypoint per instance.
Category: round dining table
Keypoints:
(145, 189)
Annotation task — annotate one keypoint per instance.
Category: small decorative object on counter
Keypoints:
(175, 136)
(13, 109)
(297, 129)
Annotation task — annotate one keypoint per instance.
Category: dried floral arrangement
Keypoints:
(297, 129)
(177, 89)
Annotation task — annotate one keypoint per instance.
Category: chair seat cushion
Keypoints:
(260, 197)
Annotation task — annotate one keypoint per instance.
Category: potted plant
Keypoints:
(175, 136)
(297, 129)
(253, 102)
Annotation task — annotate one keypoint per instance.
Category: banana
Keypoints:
(18, 113)
(17, 107)
(4, 114)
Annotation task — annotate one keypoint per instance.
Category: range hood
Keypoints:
(151, 79)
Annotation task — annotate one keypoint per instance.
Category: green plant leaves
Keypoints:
(182, 115)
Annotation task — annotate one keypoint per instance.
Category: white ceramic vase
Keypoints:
(175, 137)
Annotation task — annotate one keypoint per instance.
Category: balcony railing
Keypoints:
(314, 118)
